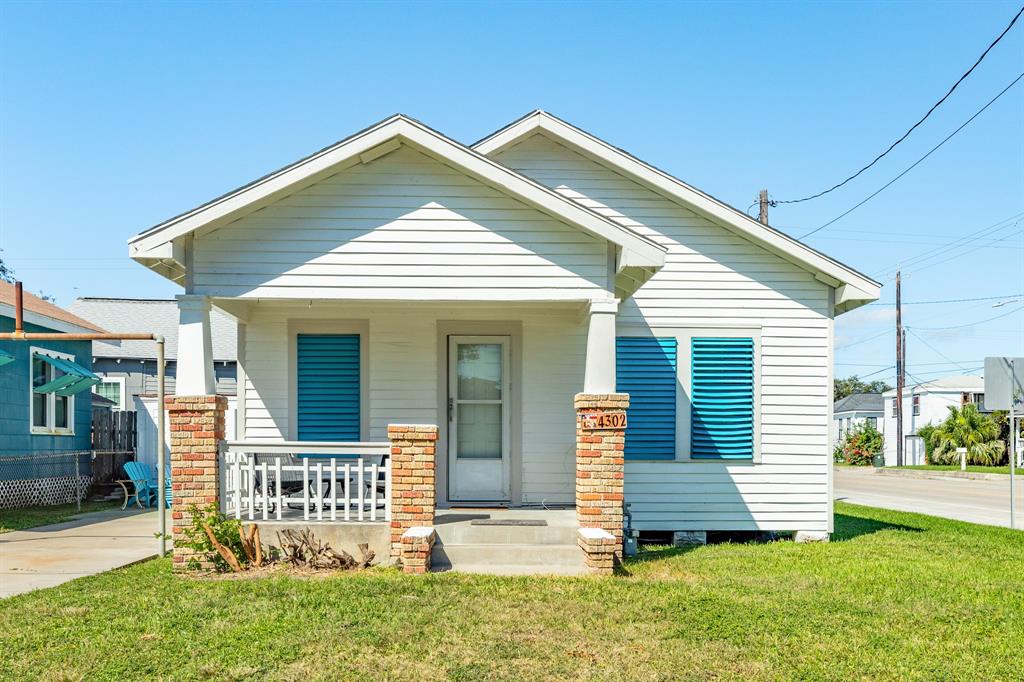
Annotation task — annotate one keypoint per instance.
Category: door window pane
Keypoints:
(479, 431)
(479, 370)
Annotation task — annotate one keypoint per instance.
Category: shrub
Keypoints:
(862, 443)
(228, 532)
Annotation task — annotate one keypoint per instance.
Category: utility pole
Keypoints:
(900, 346)
(762, 199)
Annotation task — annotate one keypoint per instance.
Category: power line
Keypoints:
(919, 267)
(916, 163)
(956, 243)
(971, 324)
(912, 333)
(919, 122)
(950, 300)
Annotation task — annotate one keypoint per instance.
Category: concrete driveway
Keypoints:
(985, 502)
(50, 555)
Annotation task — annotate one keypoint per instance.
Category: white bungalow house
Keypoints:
(401, 277)
(854, 410)
(924, 403)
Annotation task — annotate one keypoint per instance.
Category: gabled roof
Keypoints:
(859, 402)
(159, 316)
(43, 313)
(853, 289)
(156, 248)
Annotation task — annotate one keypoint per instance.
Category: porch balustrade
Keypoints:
(306, 481)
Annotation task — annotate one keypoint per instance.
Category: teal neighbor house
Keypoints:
(45, 404)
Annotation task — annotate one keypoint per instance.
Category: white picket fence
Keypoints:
(306, 481)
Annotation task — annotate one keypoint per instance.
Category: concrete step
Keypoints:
(505, 569)
(465, 533)
(508, 558)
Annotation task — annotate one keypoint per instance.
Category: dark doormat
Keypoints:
(508, 522)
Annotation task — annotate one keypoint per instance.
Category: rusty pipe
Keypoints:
(58, 336)
(19, 303)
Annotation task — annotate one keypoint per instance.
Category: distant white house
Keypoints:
(854, 410)
(926, 403)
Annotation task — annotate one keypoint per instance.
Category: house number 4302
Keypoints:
(603, 420)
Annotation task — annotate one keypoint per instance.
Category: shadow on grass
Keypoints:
(849, 527)
(652, 553)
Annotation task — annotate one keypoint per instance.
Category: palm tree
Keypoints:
(966, 427)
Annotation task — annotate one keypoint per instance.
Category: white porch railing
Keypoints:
(306, 481)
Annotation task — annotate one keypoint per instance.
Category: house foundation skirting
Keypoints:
(600, 464)
(42, 491)
(197, 429)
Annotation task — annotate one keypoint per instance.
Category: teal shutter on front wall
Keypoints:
(327, 378)
(722, 398)
(645, 368)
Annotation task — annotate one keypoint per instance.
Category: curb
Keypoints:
(918, 473)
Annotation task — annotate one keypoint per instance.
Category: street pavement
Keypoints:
(952, 498)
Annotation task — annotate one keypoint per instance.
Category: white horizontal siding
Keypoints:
(403, 376)
(403, 227)
(714, 278)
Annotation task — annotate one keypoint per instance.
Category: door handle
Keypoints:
(451, 408)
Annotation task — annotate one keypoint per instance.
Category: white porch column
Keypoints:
(600, 371)
(195, 347)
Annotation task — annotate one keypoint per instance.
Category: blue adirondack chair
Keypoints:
(144, 480)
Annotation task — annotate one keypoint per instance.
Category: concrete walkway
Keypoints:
(93, 543)
(985, 502)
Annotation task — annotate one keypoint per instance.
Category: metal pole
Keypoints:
(899, 374)
(1013, 458)
(161, 503)
(78, 483)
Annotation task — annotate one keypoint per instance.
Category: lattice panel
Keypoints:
(42, 491)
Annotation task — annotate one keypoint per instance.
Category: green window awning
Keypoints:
(74, 379)
(5, 357)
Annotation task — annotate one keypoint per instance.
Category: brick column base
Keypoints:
(416, 545)
(599, 548)
(413, 450)
(600, 466)
(197, 428)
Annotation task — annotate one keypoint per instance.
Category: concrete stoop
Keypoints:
(508, 550)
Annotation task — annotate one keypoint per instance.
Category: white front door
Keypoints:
(479, 418)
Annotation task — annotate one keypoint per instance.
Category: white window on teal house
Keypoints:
(112, 388)
(55, 379)
(328, 387)
(646, 369)
(722, 398)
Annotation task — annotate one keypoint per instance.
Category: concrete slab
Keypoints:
(93, 543)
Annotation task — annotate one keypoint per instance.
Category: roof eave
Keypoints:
(156, 247)
(862, 289)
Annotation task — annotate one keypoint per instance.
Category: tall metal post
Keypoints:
(899, 374)
(161, 456)
(1013, 450)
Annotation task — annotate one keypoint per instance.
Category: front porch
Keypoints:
(490, 390)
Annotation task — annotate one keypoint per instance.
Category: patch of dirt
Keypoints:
(278, 569)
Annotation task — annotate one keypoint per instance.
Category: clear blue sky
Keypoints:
(116, 116)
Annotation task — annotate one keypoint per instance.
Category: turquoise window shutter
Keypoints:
(645, 368)
(722, 398)
(328, 385)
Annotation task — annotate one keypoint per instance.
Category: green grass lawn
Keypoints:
(894, 596)
(30, 517)
(1005, 469)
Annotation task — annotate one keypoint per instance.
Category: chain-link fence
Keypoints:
(44, 478)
